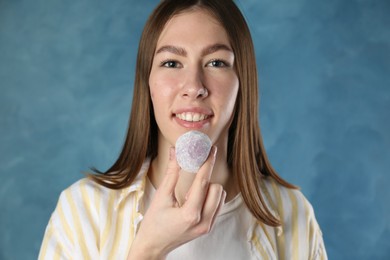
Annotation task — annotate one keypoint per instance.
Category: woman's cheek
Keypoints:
(162, 84)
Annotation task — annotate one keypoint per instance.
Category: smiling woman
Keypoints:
(203, 63)
(196, 70)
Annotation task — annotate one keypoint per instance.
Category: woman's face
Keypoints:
(193, 83)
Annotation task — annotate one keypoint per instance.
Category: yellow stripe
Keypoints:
(279, 203)
(81, 241)
(259, 247)
(110, 209)
(323, 253)
(47, 238)
(89, 207)
(97, 199)
(309, 229)
(118, 231)
(320, 255)
(134, 215)
(57, 252)
(64, 224)
(267, 235)
(294, 225)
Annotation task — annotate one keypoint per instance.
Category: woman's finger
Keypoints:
(221, 203)
(172, 174)
(201, 183)
(211, 206)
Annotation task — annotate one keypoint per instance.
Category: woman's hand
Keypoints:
(166, 225)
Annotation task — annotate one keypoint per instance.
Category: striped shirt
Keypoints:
(94, 222)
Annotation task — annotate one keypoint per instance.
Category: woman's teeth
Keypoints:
(192, 117)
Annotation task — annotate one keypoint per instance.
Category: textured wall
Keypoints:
(66, 75)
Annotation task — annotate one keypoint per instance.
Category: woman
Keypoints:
(195, 71)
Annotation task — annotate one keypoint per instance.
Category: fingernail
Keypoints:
(214, 151)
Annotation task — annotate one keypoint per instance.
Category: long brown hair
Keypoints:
(246, 154)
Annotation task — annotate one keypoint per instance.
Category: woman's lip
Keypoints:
(198, 110)
(192, 125)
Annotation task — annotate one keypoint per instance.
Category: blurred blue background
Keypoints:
(66, 77)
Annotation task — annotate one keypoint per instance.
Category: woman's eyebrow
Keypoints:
(173, 49)
(216, 47)
(182, 52)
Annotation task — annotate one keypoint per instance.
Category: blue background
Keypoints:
(66, 77)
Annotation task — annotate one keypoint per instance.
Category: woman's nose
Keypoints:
(193, 86)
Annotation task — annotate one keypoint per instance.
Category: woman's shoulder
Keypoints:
(83, 195)
(90, 195)
(86, 187)
(297, 218)
(287, 202)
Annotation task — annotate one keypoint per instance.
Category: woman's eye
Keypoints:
(170, 64)
(217, 63)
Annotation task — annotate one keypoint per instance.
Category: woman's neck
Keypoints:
(221, 174)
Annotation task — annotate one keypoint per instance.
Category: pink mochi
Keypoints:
(192, 150)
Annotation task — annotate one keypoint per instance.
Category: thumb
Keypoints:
(172, 173)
